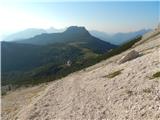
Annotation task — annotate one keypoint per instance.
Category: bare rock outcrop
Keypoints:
(131, 55)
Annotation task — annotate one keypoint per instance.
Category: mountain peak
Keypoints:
(76, 29)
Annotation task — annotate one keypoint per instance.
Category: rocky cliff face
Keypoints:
(107, 90)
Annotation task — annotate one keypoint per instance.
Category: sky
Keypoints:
(109, 17)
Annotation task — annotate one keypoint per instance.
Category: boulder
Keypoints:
(131, 55)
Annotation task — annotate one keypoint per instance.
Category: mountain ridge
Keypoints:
(112, 38)
(29, 33)
(70, 34)
(119, 38)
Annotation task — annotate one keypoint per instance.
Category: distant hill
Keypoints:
(24, 34)
(118, 38)
(30, 32)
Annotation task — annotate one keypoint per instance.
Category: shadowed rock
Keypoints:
(131, 55)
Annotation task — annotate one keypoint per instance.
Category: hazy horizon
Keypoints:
(108, 17)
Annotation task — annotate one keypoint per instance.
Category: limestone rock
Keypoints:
(131, 55)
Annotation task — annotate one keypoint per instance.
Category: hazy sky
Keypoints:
(109, 17)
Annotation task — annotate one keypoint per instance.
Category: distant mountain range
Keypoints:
(119, 38)
(73, 35)
(47, 54)
(29, 33)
